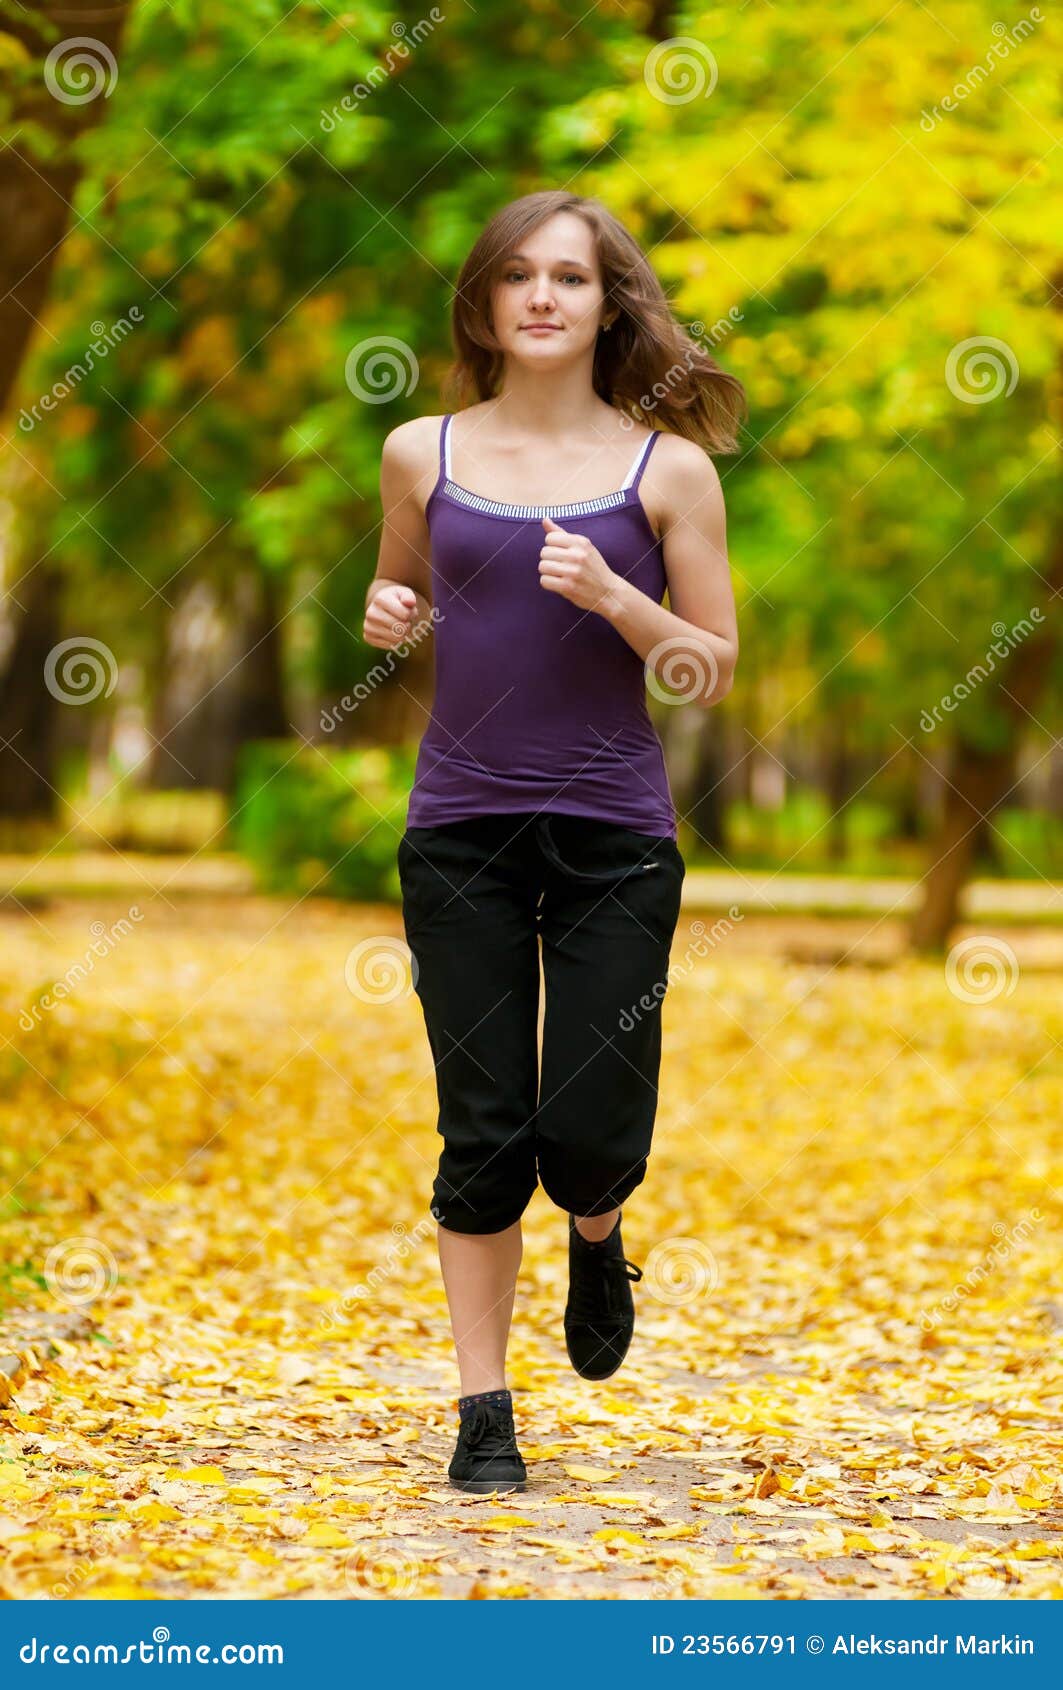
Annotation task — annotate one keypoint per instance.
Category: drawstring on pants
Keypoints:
(553, 855)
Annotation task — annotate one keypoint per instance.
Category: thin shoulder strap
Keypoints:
(444, 448)
(634, 474)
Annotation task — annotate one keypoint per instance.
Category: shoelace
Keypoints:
(480, 1423)
(589, 1294)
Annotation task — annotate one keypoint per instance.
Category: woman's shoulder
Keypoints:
(409, 462)
(680, 477)
(408, 442)
(409, 459)
(681, 466)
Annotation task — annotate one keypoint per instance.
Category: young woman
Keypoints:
(539, 526)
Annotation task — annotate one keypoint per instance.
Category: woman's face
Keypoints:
(547, 305)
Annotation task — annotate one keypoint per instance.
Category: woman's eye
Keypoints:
(522, 275)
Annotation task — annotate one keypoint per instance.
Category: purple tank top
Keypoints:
(539, 705)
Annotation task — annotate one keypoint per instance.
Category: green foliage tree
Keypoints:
(868, 207)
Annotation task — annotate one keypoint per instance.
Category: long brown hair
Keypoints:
(647, 365)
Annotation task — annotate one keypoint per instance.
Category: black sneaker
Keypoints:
(487, 1457)
(600, 1312)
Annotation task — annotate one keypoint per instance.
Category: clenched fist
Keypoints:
(570, 565)
(389, 617)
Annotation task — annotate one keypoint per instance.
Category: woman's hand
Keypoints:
(571, 566)
(389, 617)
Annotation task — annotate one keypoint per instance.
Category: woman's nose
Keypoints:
(542, 293)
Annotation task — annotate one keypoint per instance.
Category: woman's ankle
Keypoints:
(497, 1398)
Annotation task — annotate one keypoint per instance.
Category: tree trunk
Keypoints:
(35, 190)
(978, 781)
(693, 750)
(837, 783)
(28, 711)
(222, 684)
(255, 684)
(704, 815)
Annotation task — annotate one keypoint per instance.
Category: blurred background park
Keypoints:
(251, 286)
(230, 237)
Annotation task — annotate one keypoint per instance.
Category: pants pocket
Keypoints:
(436, 868)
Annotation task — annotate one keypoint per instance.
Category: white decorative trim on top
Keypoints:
(640, 454)
(578, 507)
(584, 508)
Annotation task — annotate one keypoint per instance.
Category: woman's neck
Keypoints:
(532, 403)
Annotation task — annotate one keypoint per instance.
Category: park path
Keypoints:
(225, 1355)
(755, 891)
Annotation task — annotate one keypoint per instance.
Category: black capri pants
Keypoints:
(478, 896)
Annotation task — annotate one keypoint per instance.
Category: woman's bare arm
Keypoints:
(398, 599)
(698, 635)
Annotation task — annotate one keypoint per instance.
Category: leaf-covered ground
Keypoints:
(234, 1371)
